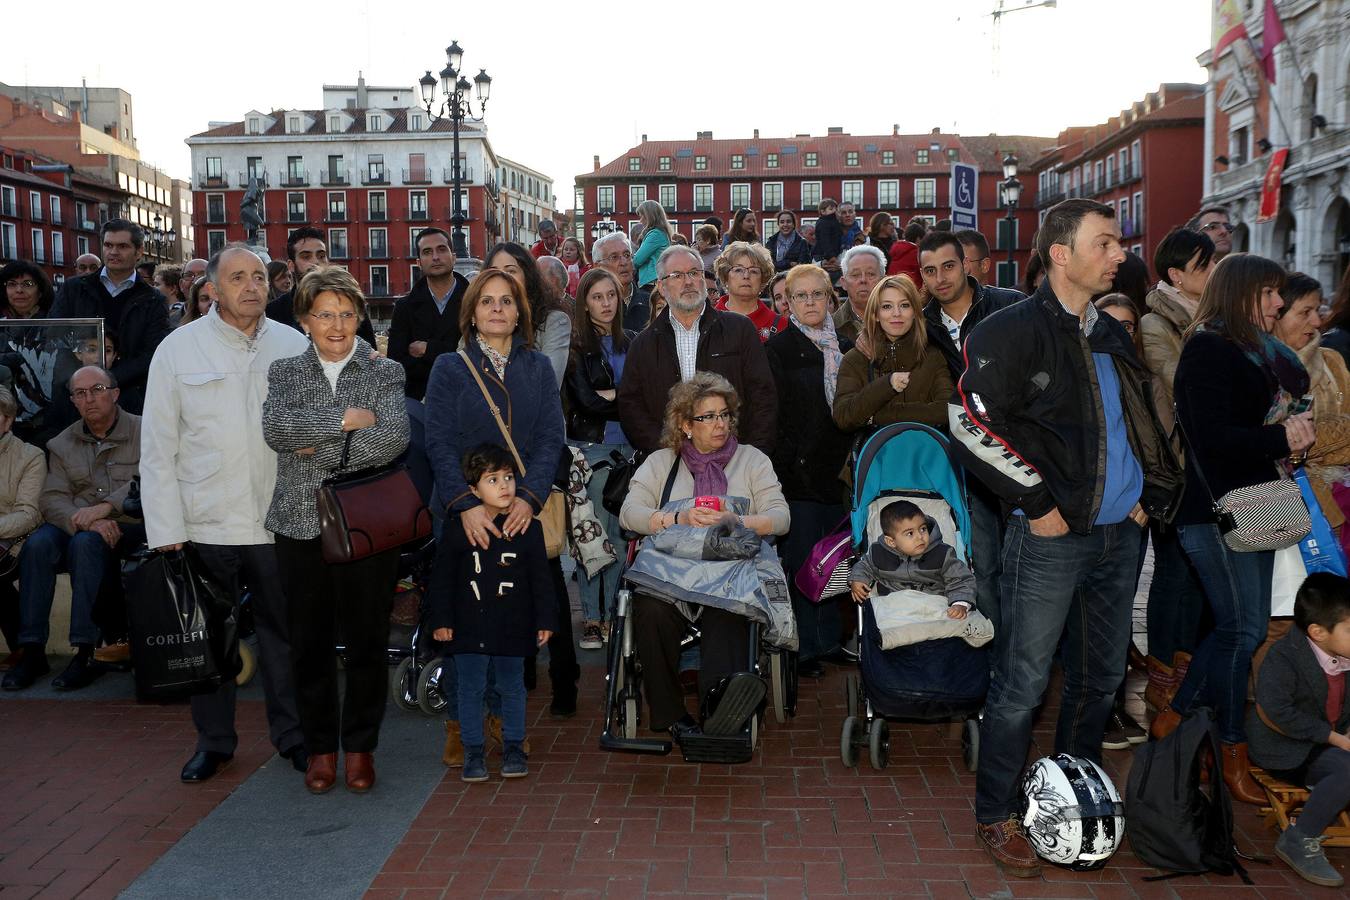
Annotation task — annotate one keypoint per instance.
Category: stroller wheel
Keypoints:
(851, 694)
(848, 747)
(403, 685)
(248, 664)
(970, 743)
(778, 687)
(429, 696)
(879, 743)
(630, 716)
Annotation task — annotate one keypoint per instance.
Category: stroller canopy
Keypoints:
(907, 456)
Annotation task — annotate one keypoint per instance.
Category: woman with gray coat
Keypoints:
(336, 399)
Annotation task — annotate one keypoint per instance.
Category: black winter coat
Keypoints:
(811, 450)
(986, 302)
(141, 324)
(798, 252)
(417, 319)
(588, 412)
(497, 599)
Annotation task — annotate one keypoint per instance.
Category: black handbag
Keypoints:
(621, 470)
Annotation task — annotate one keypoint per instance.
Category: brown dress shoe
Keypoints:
(321, 773)
(360, 771)
(1237, 775)
(114, 654)
(1164, 723)
(1009, 847)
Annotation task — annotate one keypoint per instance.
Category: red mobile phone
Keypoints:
(709, 502)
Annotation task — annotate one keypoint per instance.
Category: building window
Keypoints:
(1110, 171)
(295, 170)
(293, 124)
(213, 169)
(337, 243)
(953, 154)
(254, 125)
(416, 123)
(636, 194)
(663, 164)
(1136, 161)
(81, 245)
(417, 205)
(604, 199)
(1137, 216)
(1239, 144)
(334, 124)
(39, 246)
(375, 122)
(852, 193)
(634, 163)
(1098, 169)
(295, 206)
(812, 159)
(771, 193)
(82, 215)
(1007, 234)
(921, 157)
(771, 160)
(888, 157)
(215, 242)
(8, 241)
(737, 161)
(888, 194)
(703, 197)
(376, 210)
(379, 243)
(215, 209)
(666, 193)
(337, 206)
(810, 195)
(851, 158)
(925, 192)
(1007, 274)
(375, 168)
(58, 249)
(7, 206)
(740, 196)
(55, 202)
(379, 281)
(700, 163)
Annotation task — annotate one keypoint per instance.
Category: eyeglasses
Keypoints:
(744, 271)
(1216, 226)
(328, 318)
(616, 257)
(812, 297)
(27, 284)
(92, 393)
(672, 277)
(721, 417)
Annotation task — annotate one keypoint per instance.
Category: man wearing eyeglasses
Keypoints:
(91, 465)
(208, 477)
(691, 336)
(1213, 222)
(614, 252)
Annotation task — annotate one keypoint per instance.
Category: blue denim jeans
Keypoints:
(48, 551)
(1080, 586)
(604, 586)
(471, 673)
(1176, 598)
(1237, 587)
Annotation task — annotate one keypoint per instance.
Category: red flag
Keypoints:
(1272, 35)
(1270, 187)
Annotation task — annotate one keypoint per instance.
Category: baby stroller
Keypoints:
(932, 680)
(414, 685)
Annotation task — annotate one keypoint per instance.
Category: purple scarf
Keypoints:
(709, 469)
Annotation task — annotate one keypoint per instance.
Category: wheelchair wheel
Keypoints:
(851, 694)
(970, 743)
(429, 696)
(403, 686)
(848, 747)
(778, 687)
(879, 743)
(248, 664)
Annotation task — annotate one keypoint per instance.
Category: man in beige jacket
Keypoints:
(91, 467)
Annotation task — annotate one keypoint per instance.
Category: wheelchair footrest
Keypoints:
(709, 748)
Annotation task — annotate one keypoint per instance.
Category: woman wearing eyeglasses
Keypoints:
(811, 450)
(700, 449)
(28, 293)
(336, 402)
(745, 269)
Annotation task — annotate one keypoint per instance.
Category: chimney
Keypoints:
(644, 139)
(895, 130)
(705, 136)
(595, 163)
(936, 131)
(362, 98)
(756, 134)
(835, 129)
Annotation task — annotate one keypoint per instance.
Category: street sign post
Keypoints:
(965, 195)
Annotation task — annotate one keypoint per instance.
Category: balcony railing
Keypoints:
(377, 251)
(465, 174)
(417, 176)
(59, 257)
(336, 214)
(377, 215)
(1049, 197)
(490, 183)
(212, 181)
(39, 254)
(295, 178)
(380, 177)
(336, 178)
(215, 218)
(87, 225)
(9, 208)
(925, 204)
(260, 174)
(36, 213)
(337, 251)
(418, 215)
(293, 216)
(698, 207)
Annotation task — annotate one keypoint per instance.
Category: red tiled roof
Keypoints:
(398, 124)
(1080, 140)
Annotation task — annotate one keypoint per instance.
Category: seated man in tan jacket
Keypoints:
(90, 469)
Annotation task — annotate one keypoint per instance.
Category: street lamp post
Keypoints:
(456, 104)
(160, 240)
(602, 228)
(1011, 191)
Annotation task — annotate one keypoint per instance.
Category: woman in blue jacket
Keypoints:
(653, 239)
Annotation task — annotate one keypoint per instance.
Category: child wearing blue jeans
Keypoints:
(494, 607)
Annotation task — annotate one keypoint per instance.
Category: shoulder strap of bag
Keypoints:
(1195, 460)
(670, 481)
(496, 413)
(346, 450)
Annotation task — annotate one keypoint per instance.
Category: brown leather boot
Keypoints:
(494, 732)
(1181, 664)
(1162, 683)
(360, 771)
(453, 754)
(1237, 775)
(321, 773)
(1164, 723)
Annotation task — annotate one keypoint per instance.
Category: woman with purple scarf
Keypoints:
(700, 458)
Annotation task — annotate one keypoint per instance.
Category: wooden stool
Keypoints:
(1286, 802)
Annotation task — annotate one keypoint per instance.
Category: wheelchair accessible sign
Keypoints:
(965, 194)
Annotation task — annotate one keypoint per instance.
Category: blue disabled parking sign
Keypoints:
(965, 196)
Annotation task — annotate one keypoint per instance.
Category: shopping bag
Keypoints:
(1289, 573)
(1321, 549)
(183, 625)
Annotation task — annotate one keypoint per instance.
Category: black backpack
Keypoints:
(1173, 822)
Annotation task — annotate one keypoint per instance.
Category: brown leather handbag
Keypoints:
(367, 512)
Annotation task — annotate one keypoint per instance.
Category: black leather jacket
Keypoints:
(588, 373)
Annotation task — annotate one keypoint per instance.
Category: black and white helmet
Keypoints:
(1073, 814)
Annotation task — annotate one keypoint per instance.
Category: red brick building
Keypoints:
(905, 175)
(1146, 163)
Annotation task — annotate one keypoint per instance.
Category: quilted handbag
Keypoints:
(825, 572)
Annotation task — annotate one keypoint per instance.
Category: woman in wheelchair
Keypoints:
(701, 460)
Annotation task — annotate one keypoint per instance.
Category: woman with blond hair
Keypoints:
(893, 375)
(745, 269)
(652, 242)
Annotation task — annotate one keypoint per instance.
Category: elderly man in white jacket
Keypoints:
(207, 478)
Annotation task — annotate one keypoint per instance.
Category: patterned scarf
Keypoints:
(1278, 361)
(498, 361)
(709, 469)
(825, 338)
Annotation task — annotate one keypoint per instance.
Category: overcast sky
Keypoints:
(571, 80)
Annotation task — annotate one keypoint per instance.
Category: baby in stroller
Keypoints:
(910, 555)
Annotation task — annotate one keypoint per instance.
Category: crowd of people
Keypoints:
(1098, 413)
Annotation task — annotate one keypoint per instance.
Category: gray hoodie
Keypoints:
(938, 571)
